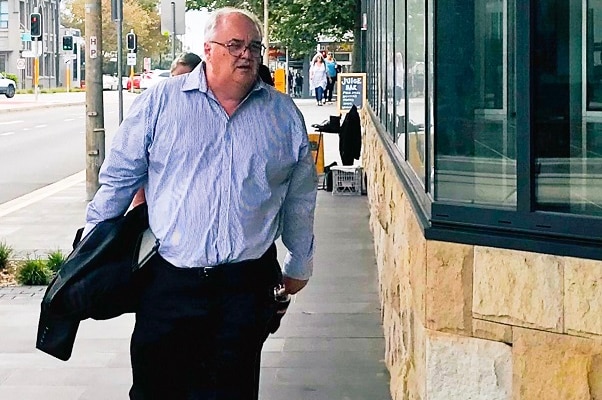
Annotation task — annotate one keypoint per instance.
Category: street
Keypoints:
(42, 146)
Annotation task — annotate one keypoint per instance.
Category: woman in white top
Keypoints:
(318, 78)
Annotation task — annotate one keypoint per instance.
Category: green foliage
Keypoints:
(55, 261)
(296, 23)
(5, 253)
(11, 77)
(33, 272)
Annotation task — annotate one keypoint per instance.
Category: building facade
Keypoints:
(15, 44)
(483, 154)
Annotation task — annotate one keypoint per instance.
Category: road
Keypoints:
(42, 146)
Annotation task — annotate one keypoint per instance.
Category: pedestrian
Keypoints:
(227, 170)
(185, 63)
(331, 71)
(318, 78)
(298, 84)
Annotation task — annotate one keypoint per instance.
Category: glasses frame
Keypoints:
(230, 44)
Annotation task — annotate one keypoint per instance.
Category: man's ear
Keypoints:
(206, 49)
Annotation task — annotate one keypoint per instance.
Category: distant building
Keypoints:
(15, 44)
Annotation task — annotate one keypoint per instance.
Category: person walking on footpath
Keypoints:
(331, 71)
(184, 64)
(227, 169)
(298, 84)
(318, 78)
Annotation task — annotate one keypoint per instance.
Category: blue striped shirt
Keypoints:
(220, 189)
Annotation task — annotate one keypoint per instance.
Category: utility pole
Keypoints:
(95, 131)
(266, 39)
(173, 31)
(117, 16)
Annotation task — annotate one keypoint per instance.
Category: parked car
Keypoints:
(136, 79)
(153, 77)
(7, 86)
(109, 82)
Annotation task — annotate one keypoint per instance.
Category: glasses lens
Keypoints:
(236, 48)
(256, 49)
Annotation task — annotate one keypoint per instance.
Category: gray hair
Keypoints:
(216, 16)
(187, 59)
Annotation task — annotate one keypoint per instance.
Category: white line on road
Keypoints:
(7, 133)
(69, 119)
(41, 126)
(41, 194)
(10, 122)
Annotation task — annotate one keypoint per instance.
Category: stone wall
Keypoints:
(470, 322)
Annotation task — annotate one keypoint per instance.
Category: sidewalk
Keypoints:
(330, 345)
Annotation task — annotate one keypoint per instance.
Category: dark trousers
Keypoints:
(199, 332)
(330, 88)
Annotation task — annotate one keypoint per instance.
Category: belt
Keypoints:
(265, 269)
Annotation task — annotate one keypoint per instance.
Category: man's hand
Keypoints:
(292, 286)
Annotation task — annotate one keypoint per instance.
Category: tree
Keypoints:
(296, 24)
(139, 15)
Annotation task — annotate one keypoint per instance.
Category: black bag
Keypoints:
(328, 176)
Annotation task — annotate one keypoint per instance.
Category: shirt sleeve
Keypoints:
(298, 215)
(125, 167)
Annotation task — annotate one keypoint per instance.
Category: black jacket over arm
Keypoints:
(97, 281)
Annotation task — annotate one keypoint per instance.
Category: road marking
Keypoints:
(7, 133)
(41, 126)
(69, 119)
(40, 194)
(10, 122)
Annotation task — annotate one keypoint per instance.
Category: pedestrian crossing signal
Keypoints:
(68, 43)
(36, 25)
(131, 41)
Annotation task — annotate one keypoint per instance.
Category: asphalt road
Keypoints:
(42, 146)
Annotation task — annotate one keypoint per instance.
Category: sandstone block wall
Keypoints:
(471, 322)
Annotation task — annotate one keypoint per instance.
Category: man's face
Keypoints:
(233, 53)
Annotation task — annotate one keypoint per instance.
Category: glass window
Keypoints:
(430, 122)
(390, 57)
(416, 85)
(4, 14)
(400, 75)
(568, 136)
(476, 142)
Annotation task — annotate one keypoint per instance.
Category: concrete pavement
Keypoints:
(330, 345)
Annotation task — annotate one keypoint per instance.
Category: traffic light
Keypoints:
(36, 25)
(67, 42)
(131, 41)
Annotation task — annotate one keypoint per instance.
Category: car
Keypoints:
(109, 82)
(153, 77)
(136, 80)
(7, 86)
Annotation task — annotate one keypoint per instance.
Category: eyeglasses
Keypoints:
(236, 48)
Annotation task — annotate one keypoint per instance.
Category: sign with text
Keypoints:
(131, 59)
(351, 89)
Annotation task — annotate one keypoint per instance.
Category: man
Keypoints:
(331, 71)
(226, 167)
(185, 63)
